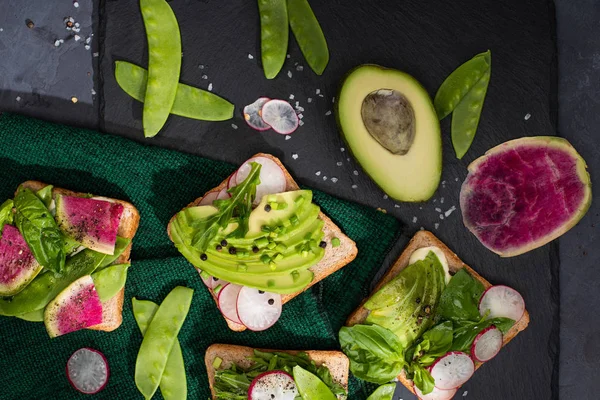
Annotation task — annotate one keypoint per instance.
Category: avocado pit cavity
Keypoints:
(390, 119)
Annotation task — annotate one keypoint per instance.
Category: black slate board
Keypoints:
(425, 39)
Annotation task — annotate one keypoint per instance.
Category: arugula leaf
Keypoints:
(375, 353)
(422, 379)
(6, 214)
(385, 392)
(45, 195)
(460, 299)
(39, 229)
(433, 344)
(468, 330)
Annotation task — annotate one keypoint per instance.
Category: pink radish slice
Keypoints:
(252, 115)
(207, 280)
(231, 182)
(258, 310)
(452, 370)
(502, 301)
(435, 394)
(272, 179)
(273, 385)
(487, 344)
(281, 116)
(87, 370)
(213, 282)
(228, 302)
(208, 198)
(223, 195)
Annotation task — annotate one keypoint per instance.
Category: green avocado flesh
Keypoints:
(406, 305)
(389, 122)
(275, 254)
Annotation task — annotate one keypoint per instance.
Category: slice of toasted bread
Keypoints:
(112, 310)
(334, 258)
(335, 361)
(426, 239)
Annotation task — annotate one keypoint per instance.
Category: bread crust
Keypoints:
(333, 260)
(112, 310)
(426, 239)
(336, 361)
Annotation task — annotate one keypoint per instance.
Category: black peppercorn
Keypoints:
(223, 242)
(203, 257)
(219, 247)
(267, 207)
(271, 302)
(261, 292)
(323, 244)
(232, 250)
(255, 249)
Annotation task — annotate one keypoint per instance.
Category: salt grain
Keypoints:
(450, 211)
(18, 98)
(354, 186)
(210, 86)
(328, 112)
(201, 66)
(93, 92)
(77, 38)
(385, 197)
(317, 91)
(292, 98)
(355, 172)
(289, 74)
(455, 179)
(396, 205)
(250, 56)
(324, 177)
(75, 4)
(442, 200)
(465, 393)
(234, 126)
(334, 179)
(287, 137)
(318, 173)
(288, 56)
(204, 76)
(342, 149)
(333, 99)
(96, 54)
(300, 116)
(300, 122)
(414, 220)
(309, 99)
(87, 47)
(441, 216)
(438, 209)
(348, 159)
(56, 43)
(300, 68)
(295, 156)
(321, 95)
(436, 225)
(443, 182)
(527, 116)
(339, 163)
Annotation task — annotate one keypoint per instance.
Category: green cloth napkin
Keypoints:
(159, 183)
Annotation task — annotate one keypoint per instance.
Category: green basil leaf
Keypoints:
(375, 353)
(45, 195)
(6, 213)
(467, 331)
(39, 229)
(423, 379)
(433, 344)
(460, 299)
(385, 392)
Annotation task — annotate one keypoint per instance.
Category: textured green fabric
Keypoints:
(160, 182)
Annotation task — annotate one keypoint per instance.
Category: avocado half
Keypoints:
(390, 125)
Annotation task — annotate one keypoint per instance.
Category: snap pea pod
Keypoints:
(384, 392)
(309, 34)
(189, 101)
(110, 280)
(47, 285)
(33, 316)
(173, 384)
(274, 35)
(160, 338)
(164, 63)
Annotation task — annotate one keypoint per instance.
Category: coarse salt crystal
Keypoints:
(288, 56)
(342, 149)
(292, 98)
(324, 177)
(527, 116)
(442, 200)
(355, 172)
(385, 197)
(96, 54)
(321, 95)
(289, 74)
(250, 56)
(93, 92)
(18, 98)
(455, 179)
(396, 205)
(87, 47)
(414, 220)
(434, 200)
(204, 76)
(348, 159)
(436, 225)
(318, 173)
(300, 109)
(287, 137)
(56, 43)
(300, 116)
(309, 99)
(438, 209)
(317, 91)
(328, 112)
(75, 4)
(333, 99)
(295, 156)
(465, 393)
(300, 68)
(300, 122)
(443, 182)
(334, 179)
(210, 86)
(450, 211)
(441, 216)
(201, 66)
(354, 186)
(234, 126)
(339, 163)
(77, 38)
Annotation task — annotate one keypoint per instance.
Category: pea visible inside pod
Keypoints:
(390, 119)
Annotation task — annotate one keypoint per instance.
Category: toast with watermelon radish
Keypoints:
(221, 357)
(337, 249)
(488, 301)
(112, 309)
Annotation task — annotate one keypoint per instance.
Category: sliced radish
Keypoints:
(272, 178)
(214, 282)
(231, 181)
(273, 385)
(228, 302)
(280, 115)
(252, 115)
(487, 344)
(452, 370)
(223, 194)
(502, 301)
(435, 394)
(258, 310)
(206, 279)
(87, 370)
(209, 198)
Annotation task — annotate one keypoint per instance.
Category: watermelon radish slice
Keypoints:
(272, 178)
(524, 193)
(77, 307)
(87, 370)
(273, 385)
(502, 301)
(452, 370)
(252, 115)
(17, 264)
(435, 394)
(228, 302)
(280, 115)
(91, 222)
(487, 344)
(258, 310)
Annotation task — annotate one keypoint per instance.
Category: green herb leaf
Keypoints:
(434, 343)
(385, 392)
(468, 330)
(423, 379)
(6, 214)
(375, 353)
(39, 229)
(460, 299)
(45, 195)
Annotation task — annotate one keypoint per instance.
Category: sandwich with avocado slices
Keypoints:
(431, 322)
(238, 372)
(64, 258)
(258, 241)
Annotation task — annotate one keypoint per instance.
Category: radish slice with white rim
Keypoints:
(214, 282)
(487, 344)
(222, 195)
(252, 115)
(452, 370)
(87, 370)
(273, 385)
(231, 181)
(502, 301)
(280, 115)
(208, 198)
(258, 310)
(435, 394)
(228, 302)
(272, 178)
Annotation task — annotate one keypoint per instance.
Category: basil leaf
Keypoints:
(6, 213)
(460, 299)
(467, 331)
(375, 353)
(423, 379)
(433, 344)
(385, 392)
(45, 195)
(39, 229)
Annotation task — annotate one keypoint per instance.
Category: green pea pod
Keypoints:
(47, 285)
(110, 280)
(384, 392)
(189, 101)
(120, 246)
(164, 63)
(274, 35)
(160, 338)
(309, 34)
(39, 229)
(459, 83)
(33, 316)
(173, 384)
